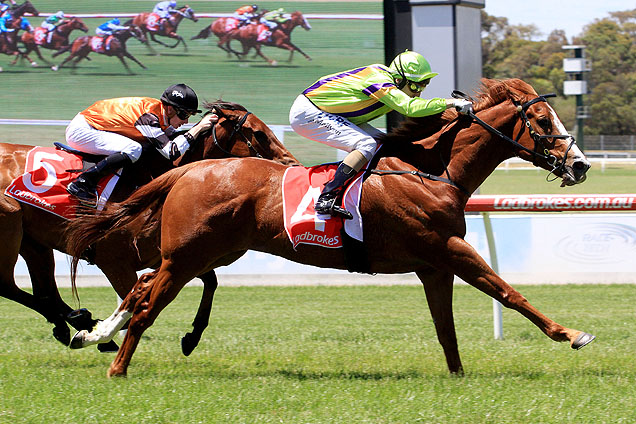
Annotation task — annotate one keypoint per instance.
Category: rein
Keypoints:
(421, 175)
(237, 129)
(550, 159)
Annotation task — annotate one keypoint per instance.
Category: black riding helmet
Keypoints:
(181, 97)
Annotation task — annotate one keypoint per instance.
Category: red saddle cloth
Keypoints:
(47, 173)
(152, 22)
(39, 35)
(99, 44)
(301, 188)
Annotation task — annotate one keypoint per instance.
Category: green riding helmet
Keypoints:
(411, 66)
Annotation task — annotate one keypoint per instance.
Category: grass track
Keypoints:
(332, 355)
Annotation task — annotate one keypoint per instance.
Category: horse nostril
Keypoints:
(581, 166)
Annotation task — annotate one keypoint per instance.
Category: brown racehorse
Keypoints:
(248, 36)
(9, 40)
(59, 40)
(34, 233)
(115, 46)
(168, 28)
(413, 201)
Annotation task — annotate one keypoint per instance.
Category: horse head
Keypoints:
(542, 137)
(26, 7)
(188, 13)
(77, 23)
(238, 133)
(297, 19)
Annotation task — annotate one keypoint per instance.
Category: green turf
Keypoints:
(332, 355)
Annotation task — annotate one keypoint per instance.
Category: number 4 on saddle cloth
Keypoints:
(301, 188)
(47, 172)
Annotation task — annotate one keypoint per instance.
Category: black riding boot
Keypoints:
(326, 203)
(84, 187)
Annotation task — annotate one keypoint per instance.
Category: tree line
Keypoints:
(510, 51)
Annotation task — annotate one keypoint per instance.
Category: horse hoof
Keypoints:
(77, 342)
(188, 343)
(34, 64)
(582, 340)
(108, 347)
(55, 67)
(0, 69)
(62, 334)
(274, 63)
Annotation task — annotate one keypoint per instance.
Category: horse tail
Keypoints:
(85, 231)
(205, 33)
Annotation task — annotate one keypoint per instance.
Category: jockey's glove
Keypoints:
(463, 106)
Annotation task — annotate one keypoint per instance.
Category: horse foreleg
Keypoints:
(62, 50)
(154, 38)
(37, 51)
(260, 53)
(202, 319)
(466, 263)
(121, 58)
(438, 286)
(134, 59)
(292, 47)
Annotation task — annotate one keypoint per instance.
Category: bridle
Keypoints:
(237, 129)
(552, 161)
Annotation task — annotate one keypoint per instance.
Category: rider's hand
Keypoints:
(462, 106)
(203, 125)
(207, 121)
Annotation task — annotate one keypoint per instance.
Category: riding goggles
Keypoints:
(418, 87)
(183, 114)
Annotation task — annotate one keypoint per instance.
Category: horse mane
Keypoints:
(492, 92)
(222, 104)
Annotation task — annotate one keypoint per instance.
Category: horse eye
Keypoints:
(545, 124)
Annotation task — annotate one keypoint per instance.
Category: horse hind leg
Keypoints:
(159, 288)
(438, 287)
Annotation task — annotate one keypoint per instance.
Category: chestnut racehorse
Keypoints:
(59, 40)
(248, 36)
(9, 40)
(169, 28)
(412, 206)
(34, 233)
(115, 46)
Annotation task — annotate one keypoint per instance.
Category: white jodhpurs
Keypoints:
(81, 136)
(333, 130)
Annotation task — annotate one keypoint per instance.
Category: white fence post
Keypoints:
(492, 248)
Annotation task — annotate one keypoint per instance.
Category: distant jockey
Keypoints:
(51, 23)
(245, 14)
(107, 28)
(4, 7)
(165, 9)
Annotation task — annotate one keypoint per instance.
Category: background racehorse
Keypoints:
(59, 40)
(416, 221)
(34, 233)
(248, 36)
(150, 26)
(115, 46)
(9, 40)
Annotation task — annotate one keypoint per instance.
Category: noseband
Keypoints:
(556, 164)
(237, 129)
